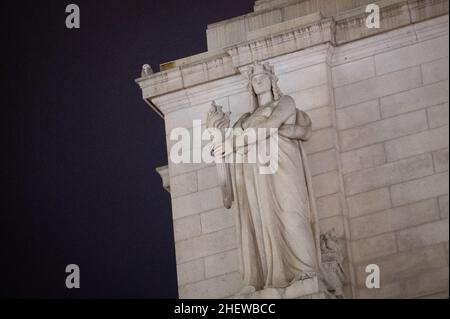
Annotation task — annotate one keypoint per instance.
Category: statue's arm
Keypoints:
(284, 110)
(239, 122)
(301, 130)
(294, 132)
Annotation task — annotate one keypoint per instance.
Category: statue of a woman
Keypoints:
(276, 220)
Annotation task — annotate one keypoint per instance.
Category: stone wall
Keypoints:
(392, 118)
(378, 155)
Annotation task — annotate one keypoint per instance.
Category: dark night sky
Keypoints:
(79, 146)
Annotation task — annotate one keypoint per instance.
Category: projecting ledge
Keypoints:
(163, 171)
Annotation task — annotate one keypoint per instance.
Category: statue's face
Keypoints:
(261, 84)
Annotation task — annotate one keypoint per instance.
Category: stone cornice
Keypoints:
(287, 42)
(344, 28)
(231, 85)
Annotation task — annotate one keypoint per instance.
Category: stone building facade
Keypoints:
(378, 99)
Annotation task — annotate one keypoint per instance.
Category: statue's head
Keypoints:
(262, 79)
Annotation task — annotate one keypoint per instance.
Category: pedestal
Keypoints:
(311, 288)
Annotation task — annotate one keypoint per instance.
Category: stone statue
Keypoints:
(276, 222)
(332, 261)
(146, 70)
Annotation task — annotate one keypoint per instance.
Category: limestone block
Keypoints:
(370, 225)
(217, 219)
(344, 5)
(326, 184)
(240, 103)
(329, 206)
(264, 19)
(222, 263)
(187, 227)
(184, 118)
(446, 246)
(384, 130)
(387, 291)
(415, 190)
(405, 265)
(279, 44)
(443, 206)
(423, 235)
(354, 71)
(289, 23)
(429, 29)
(379, 86)
(422, 142)
(218, 91)
(394, 219)
(363, 158)
(388, 174)
(194, 144)
(183, 168)
(351, 25)
(415, 99)
(207, 178)
(311, 288)
(300, 8)
(183, 184)
(435, 71)
(413, 214)
(192, 271)
(268, 4)
(425, 9)
(374, 247)
(358, 115)
(321, 140)
(377, 44)
(196, 203)
(312, 98)
(413, 55)
(322, 162)
(206, 245)
(432, 281)
(302, 288)
(213, 288)
(369, 202)
(225, 33)
(162, 83)
(441, 160)
(438, 295)
(320, 295)
(194, 74)
(438, 115)
(321, 118)
(193, 59)
(302, 79)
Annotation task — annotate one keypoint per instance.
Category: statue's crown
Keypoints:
(258, 68)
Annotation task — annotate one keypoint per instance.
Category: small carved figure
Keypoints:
(146, 70)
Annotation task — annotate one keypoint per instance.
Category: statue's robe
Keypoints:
(276, 217)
